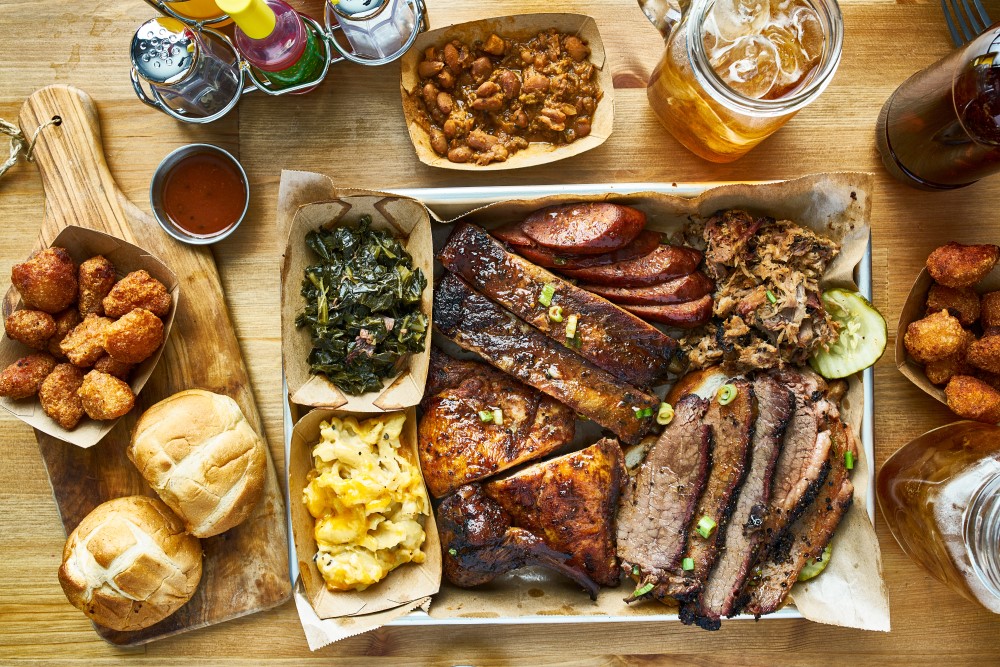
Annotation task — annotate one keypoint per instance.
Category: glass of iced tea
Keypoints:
(734, 71)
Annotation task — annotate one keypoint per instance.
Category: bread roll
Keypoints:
(129, 564)
(202, 458)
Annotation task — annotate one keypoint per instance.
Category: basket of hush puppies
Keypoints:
(85, 322)
(948, 340)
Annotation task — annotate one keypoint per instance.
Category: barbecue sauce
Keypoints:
(204, 194)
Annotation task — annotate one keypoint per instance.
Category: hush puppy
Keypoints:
(85, 343)
(23, 377)
(119, 369)
(962, 302)
(58, 395)
(958, 265)
(940, 371)
(105, 396)
(985, 353)
(47, 281)
(30, 327)
(65, 322)
(970, 398)
(137, 290)
(989, 314)
(935, 337)
(96, 277)
(134, 337)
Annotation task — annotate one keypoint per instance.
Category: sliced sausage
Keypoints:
(643, 244)
(659, 266)
(512, 234)
(585, 229)
(686, 288)
(682, 315)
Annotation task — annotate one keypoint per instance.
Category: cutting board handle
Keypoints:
(79, 188)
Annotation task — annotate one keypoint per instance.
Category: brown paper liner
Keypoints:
(82, 244)
(852, 591)
(522, 25)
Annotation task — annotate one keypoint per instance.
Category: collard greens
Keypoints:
(362, 306)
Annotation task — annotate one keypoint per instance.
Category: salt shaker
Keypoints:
(189, 70)
(374, 28)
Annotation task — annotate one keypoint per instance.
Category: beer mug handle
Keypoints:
(663, 14)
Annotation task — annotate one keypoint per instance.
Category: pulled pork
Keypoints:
(768, 311)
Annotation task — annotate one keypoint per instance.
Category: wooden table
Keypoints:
(352, 129)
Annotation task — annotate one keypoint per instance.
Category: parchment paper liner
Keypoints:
(522, 25)
(915, 309)
(82, 244)
(408, 221)
(404, 589)
(852, 591)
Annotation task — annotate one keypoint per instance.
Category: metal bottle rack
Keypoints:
(334, 52)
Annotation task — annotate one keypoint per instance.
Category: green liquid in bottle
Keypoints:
(308, 67)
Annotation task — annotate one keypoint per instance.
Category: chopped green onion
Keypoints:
(548, 291)
(498, 417)
(571, 326)
(644, 413)
(706, 525)
(555, 313)
(665, 414)
(560, 261)
(635, 570)
(642, 590)
(687, 564)
(771, 297)
(452, 552)
(849, 460)
(485, 416)
(727, 394)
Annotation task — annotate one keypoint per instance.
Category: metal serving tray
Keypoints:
(449, 203)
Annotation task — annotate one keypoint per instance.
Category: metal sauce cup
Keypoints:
(159, 181)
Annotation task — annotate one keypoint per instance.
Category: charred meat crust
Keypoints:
(477, 324)
(609, 337)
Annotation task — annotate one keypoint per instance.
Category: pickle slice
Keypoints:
(815, 567)
(863, 335)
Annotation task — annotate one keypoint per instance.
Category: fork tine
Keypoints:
(955, 37)
(983, 16)
(977, 26)
(967, 33)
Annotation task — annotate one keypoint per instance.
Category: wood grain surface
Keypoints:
(353, 129)
(245, 569)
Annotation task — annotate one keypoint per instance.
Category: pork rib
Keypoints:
(610, 338)
(479, 325)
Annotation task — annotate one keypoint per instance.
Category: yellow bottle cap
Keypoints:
(254, 17)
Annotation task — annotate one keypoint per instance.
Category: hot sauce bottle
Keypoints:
(276, 41)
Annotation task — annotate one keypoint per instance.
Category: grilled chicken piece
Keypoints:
(607, 336)
(732, 432)
(456, 447)
(479, 544)
(658, 502)
(743, 537)
(477, 324)
(808, 536)
(570, 502)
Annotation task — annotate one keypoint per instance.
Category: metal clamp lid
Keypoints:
(164, 51)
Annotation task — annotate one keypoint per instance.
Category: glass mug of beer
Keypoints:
(734, 71)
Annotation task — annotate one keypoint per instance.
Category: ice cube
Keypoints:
(749, 66)
(789, 55)
(739, 18)
(808, 32)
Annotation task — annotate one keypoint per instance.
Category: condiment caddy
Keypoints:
(185, 67)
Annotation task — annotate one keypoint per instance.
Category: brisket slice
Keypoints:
(773, 579)
(609, 337)
(479, 325)
(732, 434)
(743, 537)
(657, 503)
(802, 464)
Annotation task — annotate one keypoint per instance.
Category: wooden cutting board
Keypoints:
(246, 568)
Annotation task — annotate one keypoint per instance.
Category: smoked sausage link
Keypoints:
(585, 229)
(678, 290)
(682, 315)
(659, 266)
